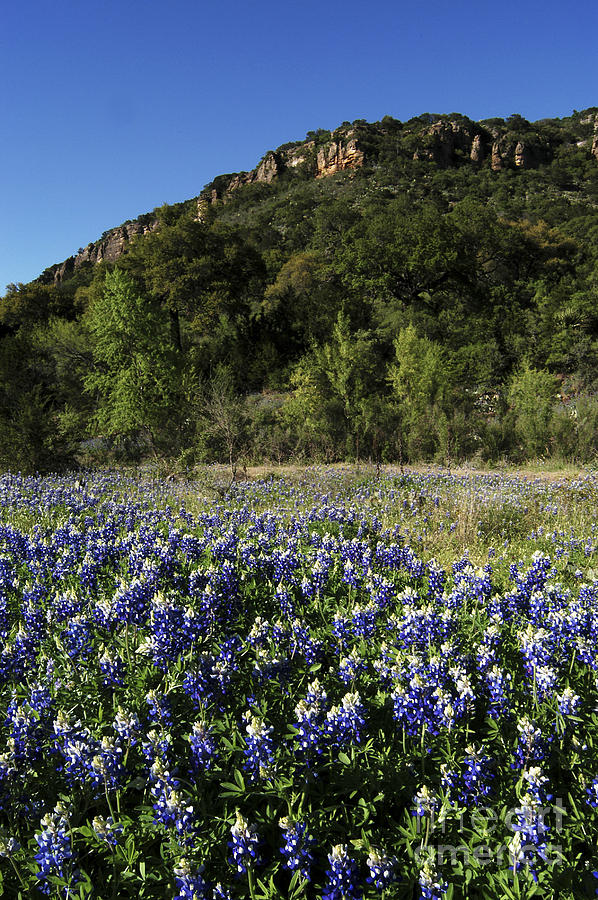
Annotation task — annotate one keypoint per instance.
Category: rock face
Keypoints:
(335, 156)
(449, 141)
(108, 248)
(496, 160)
(477, 153)
(445, 142)
(508, 153)
(338, 156)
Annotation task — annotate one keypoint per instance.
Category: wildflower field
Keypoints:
(338, 684)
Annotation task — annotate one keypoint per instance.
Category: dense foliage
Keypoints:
(408, 309)
(341, 685)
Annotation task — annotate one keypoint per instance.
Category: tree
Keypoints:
(300, 303)
(347, 363)
(223, 418)
(134, 379)
(401, 259)
(420, 383)
(532, 394)
(204, 278)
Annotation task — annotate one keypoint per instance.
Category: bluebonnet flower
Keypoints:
(244, 845)
(106, 830)
(343, 882)
(546, 680)
(156, 745)
(425, 803)
(127, 725)
(569, 703)
(112, 668)
(433, 886)
(498, 684)
(383, 869)
(55, 853)
(311, 719)
(436, 579)
(536, 782)
(212, 675)
(531, 748)
(345, 723)
(25, 732)
(351, 666)
(9, 847)
(65, 605)
(450, 782)
(189, 882)
(10, 775)
(364, 620)
(284, 598)
(351, 574)
(77, 637)
(529, 840)
(203, 747)
(303, 643)
(106, 768)
(170, 807)
(592, 792)
(160, 709)
(477, 776)
(167, 641)
(297, 847)
(40, 700)
(340, 628)
(259, 752)
(131, 602)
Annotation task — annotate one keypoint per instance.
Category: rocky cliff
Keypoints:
(445, 141)
(109, 248)
(334, 156)
(451, 142)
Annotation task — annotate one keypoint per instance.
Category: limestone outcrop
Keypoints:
(444, 142)
(335, 156)
(447, 141)
(338, 156)
(109, 248)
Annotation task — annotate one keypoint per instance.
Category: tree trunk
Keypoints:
(175, 330)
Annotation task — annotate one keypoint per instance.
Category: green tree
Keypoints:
(420, 382)
(344, 369)
(207, 280)
(134, 378)
(532, 394)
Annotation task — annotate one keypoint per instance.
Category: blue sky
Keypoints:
(111, 108)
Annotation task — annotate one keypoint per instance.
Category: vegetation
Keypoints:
(346, 684)
(420, 307)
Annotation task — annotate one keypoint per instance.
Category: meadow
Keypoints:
(333, 683)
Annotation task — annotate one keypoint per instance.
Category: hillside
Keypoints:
(410, 290)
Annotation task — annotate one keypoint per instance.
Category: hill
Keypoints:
(400, 290)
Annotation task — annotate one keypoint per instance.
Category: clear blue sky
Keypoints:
(111, 108)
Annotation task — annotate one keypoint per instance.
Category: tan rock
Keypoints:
(338, 156)
(268, 169)
(520, 156)
(496, 161)
(477, 149)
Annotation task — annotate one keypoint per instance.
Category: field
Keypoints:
(334, 683)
